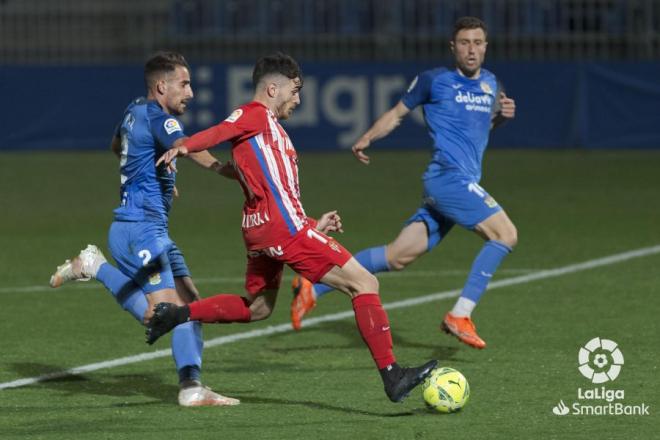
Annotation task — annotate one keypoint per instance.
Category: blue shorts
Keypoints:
(144, 252)
(453, 199)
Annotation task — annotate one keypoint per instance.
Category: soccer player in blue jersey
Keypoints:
(151, 267)
(461, 106)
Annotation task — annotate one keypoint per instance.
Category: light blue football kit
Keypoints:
(458, 113)
(148, 260)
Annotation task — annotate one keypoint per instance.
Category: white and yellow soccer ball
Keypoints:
(446, 390)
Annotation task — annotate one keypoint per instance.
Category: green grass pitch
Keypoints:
(569, 206)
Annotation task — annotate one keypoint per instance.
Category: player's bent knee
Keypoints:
(504, 233)
(368, 283)
(510, 236)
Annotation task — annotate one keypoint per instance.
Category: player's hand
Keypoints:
(170, 155)
(507, 106)
(358, 150)
(329, 222)
(175, 191)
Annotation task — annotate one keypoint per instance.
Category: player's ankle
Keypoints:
(182, 314)
(189, 384)
(390, 373)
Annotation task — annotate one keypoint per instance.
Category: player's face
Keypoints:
(469, 48)
(178, 91)
(289, 97)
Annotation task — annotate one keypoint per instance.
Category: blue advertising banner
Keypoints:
(559, 105)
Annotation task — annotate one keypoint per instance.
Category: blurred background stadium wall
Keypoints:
(584, 73)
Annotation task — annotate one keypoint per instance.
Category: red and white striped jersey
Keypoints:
(267, 166)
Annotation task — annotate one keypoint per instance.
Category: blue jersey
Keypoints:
(458, 113)
(146, 132)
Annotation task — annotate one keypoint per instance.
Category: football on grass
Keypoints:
(446, 390)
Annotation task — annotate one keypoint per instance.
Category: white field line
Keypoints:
(213, 280)
(283, 328)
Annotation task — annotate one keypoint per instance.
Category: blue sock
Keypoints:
(187, 345)
(373, 259)
(484, 268)
(126, 292)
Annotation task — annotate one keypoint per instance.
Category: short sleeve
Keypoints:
(166, 129)
(419, 90)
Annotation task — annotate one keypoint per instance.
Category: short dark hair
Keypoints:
(277, 63)
(162, 62)
(468, 23)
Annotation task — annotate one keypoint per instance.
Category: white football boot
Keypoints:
(82, 267)
(200, 395)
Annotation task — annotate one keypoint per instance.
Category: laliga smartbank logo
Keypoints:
(600, 361)
(605, 357)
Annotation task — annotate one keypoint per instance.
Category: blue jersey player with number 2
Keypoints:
(151, 269)
(460, 106)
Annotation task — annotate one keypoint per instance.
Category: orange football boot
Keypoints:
(303, 300)
(463, 328)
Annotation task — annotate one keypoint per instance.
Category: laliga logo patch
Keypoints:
(602, 355)
(171, 125)
(234, 115)
(486, 88)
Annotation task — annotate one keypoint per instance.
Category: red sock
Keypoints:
(374, 327)
(220, 308)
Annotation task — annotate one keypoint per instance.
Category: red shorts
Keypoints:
(309, 253)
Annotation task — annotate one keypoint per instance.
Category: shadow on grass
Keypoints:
(116, 385)
(349, 332)
(323, 406)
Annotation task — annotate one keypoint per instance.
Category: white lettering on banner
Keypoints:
(387, 89)
(307, 113)
(321, 100)
(239, 86)
(357, 115)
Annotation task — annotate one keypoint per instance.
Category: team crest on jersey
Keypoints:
(154, 279)
(486, 88)
(412, 84)
(171, 125)
(234, 115)
(333, 245)
(490, 202)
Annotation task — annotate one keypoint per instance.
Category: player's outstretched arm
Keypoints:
(208, 161)
(329, 222)
(170, 155)
(381, 128)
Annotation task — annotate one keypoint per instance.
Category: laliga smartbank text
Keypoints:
(601, 361)
(590, 403)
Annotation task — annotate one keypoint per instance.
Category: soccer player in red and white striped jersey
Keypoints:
(277, 231)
